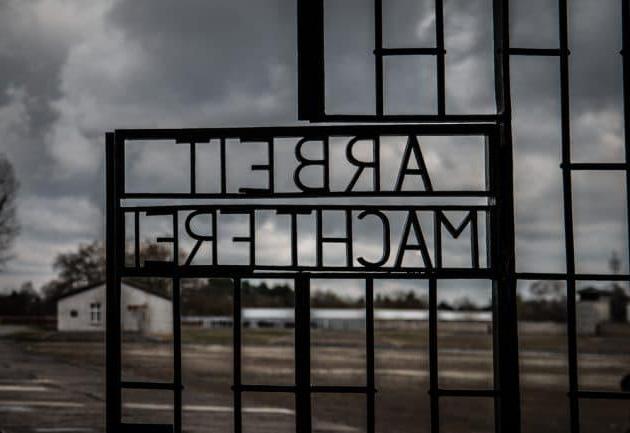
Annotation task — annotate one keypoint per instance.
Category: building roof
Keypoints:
(82, 289)
(593, 294)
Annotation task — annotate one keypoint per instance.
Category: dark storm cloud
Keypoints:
(201, 50)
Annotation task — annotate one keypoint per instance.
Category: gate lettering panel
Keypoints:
(409, 248)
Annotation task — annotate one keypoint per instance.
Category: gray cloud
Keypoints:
(73, 70)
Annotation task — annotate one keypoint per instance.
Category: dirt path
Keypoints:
(41, 394)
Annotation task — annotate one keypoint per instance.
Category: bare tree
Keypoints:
(86, 266)
(9, 226)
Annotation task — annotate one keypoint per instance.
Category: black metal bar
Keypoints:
(476, 127)
(311, 87)
(603, 395)
(313, 389)
(563, 34)
(223, 166)
(177, 334)
(193, 167)
(378, 57)
(136, 240)
(308, 208)
(409, 51)
(474, 393)
(319, 236)
(433, 357)
(236, 347)
(464, 119)
(625, 31)
(149, 385)
(177, 356)
(596, 166)
(145, 428)
(302, 355)
(319, 389)
(441, 64)
(501, 242)
(226, 271)
(113, 336)
(264, 388)
(369, 356)
(303, 195)
(551, 52)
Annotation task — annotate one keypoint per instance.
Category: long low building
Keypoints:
(335, 318)
(143, 310)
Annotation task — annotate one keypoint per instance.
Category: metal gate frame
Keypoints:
(499, 269)
(312, 108)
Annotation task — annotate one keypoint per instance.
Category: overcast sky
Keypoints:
(72, 69)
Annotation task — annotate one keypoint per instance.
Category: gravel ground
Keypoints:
(52, 385)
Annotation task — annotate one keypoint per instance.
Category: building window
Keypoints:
(95, 313)
(74, 313)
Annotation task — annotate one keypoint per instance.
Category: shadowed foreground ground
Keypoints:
(50, 384)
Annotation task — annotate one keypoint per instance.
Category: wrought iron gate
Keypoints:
(496, 265)
(498, 206)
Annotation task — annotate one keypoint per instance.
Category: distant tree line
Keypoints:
(24, 301)
(546, 300)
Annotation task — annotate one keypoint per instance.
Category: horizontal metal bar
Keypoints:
(304, 208)
(603, 395)
(576, 277)
(149, 385)
(146, 428)
(281, 195)
(221, 272)
(552, 52)
(463, 120)
(596, 166)
(342, 389)
(264, 388)
(199, 135)
(231, 271)
(313, 388)
(465, 392)
(408, 51)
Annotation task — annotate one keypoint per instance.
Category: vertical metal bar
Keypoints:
(567, 191)
(505, 325)
(236, 344)
(433, 357)
(193, 167)
(437, 238)
(136, 240)
(222, 156)
(177, 355)
(625, 46)
(113, 327)
(294, 240)
(502, 248)
(378, 46)
(439, 38)
(311, 88)
(369, 347)
(319, 238)
(252, 236)
(215, 236)
(377, 166)
(349, 240)
(302, 354)
(474, 239)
